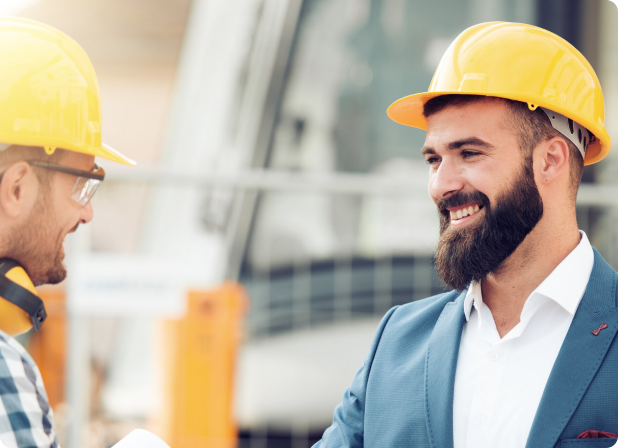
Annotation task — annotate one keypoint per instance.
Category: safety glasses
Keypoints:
(87, 181)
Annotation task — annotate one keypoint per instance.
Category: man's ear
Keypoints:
(552, 160)
(18, 189)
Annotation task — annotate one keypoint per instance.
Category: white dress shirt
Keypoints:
(499, 382)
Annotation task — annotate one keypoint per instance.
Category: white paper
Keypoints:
(141, 438)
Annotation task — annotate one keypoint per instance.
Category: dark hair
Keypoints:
(532, 127)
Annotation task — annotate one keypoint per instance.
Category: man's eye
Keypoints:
(432, 160)
(467, 154)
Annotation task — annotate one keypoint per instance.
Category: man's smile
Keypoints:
(464, 213)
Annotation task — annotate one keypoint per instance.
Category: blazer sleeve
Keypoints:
(349, 418)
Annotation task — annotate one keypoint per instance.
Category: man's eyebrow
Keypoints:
(427, 150)
(471, 141)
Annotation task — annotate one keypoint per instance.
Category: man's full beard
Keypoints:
(471, 253)
(37, 248)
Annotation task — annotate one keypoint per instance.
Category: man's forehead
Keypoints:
(483, 120)
(494, 107)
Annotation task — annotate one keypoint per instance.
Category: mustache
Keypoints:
(461, 198)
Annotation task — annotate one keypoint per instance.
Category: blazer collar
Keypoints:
(440, 366)
(580, 356)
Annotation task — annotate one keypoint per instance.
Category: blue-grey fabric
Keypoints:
(403, 394)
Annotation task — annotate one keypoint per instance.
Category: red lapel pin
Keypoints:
(598, 330)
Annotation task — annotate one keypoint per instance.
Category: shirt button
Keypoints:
(480, 419)
(494, 356)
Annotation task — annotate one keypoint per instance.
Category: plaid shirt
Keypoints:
(26, 419)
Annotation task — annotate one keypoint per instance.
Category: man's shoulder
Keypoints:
(12, 350)
(16, 362)
(418, 317)
(26, 418)
(431, 306)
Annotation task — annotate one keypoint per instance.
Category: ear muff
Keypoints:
(21, 308)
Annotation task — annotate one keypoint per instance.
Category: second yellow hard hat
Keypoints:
(518, 62)
(49, 94)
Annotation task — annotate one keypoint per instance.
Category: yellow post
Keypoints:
(200, 356)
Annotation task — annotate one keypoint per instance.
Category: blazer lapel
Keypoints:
(440, 366)
(580, 356)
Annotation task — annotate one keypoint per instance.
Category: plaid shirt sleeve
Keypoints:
(26, 419)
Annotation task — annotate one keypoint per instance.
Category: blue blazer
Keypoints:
(403, 394)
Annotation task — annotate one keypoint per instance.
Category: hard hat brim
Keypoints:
(104, 151)
(409, 112)
(107, 152)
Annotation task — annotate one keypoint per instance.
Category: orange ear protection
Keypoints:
(21, 309)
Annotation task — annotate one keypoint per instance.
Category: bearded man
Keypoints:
(50, 133)
(522, 352)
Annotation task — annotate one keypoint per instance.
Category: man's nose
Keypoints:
(446, 180)
(86, 213)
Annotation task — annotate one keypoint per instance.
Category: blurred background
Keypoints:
(230, 284)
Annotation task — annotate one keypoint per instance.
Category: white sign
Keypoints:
(128, 285)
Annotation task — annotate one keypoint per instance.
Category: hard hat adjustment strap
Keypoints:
(576, 133)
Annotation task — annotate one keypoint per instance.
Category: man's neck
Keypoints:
(505, 292)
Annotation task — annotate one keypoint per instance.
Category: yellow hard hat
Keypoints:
(49, 94)
(518, 62)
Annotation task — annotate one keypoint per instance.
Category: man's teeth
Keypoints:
(462, 212)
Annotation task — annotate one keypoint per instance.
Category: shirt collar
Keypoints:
(473, 290)
(565, 285)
